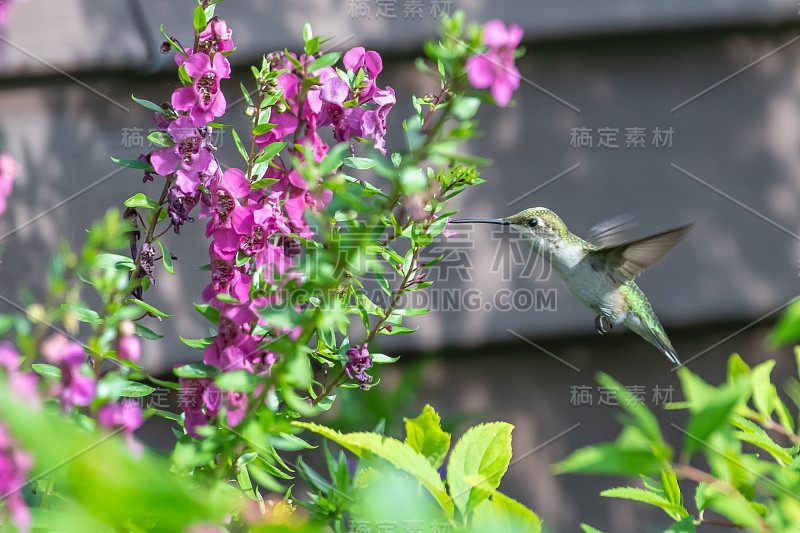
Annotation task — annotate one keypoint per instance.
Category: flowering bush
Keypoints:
(294, 233)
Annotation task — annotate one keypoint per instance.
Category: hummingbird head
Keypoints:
(539, 225)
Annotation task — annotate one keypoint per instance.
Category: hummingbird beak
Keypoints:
(500, 221)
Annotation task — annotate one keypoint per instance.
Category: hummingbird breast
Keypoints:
(590, 286)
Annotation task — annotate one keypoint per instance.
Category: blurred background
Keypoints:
(674, 112)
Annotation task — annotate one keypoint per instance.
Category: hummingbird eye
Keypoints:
(532, 223)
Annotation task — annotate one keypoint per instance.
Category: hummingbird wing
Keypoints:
(626, 261)
(613, 231)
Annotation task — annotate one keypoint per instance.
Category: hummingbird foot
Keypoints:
(603, 324)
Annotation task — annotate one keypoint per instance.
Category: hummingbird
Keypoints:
(600, 272)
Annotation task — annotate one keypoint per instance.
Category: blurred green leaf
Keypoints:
(502, 514)
(399, 454)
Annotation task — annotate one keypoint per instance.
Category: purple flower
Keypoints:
(369, 60)
(147, 261)
(179, 205)
(22, 384)
(359, 361)
(8, 171)
(496, 68)
(190, 400)
(203, 99)
(333, 95)
(128, 346)
(218, 34)
(234, 403)
(126, 415)
(76, 388)
(374, 121)
(188, 155)
(14, 466)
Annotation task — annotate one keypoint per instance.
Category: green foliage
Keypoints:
(100, 484)
(470, 500)
(759, 491)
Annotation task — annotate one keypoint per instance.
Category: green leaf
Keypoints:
(239, 145)
(141, 200)
(134, 389)
(163, 414)
(669, 484)
(270, 151)
(382, 283)
(710, 407)
(211, 313)
(333, 160)
(484, 451)
(149, 105)
(47, 371)
(326, 60)
(639, 415)
(502, 514)
(379, 358)
(237, 380)
(763, 389)
(199, 19)
(263, 182)
(245, 93)
(611, 459)
(196, 370)
(160, 138)
(589, 529)
(114, 261)
(173, 43)
(147, 333)
(685, 525)
(399, 454)
(645, 496)
(424, 434)
(147, 307)
(166, 257)
(134, 163)
(787, 329)
(196, 343)
(162, 383)
(360, 163)
(466, 107)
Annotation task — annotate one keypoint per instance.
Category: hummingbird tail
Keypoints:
(667, 348)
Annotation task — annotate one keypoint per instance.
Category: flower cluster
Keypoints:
(496, 68)
(253, 230)
(14, 466)
(189, 154)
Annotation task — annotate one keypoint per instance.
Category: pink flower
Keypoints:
(374, 122)
(234, 403)
(126, 415)
(8, 171)
(203, 99)
(23, 384)
(14, 466)
(129, 348)
(190, 400)
(189, 155)
(495, 68)
(218, 33)
(76, 388)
